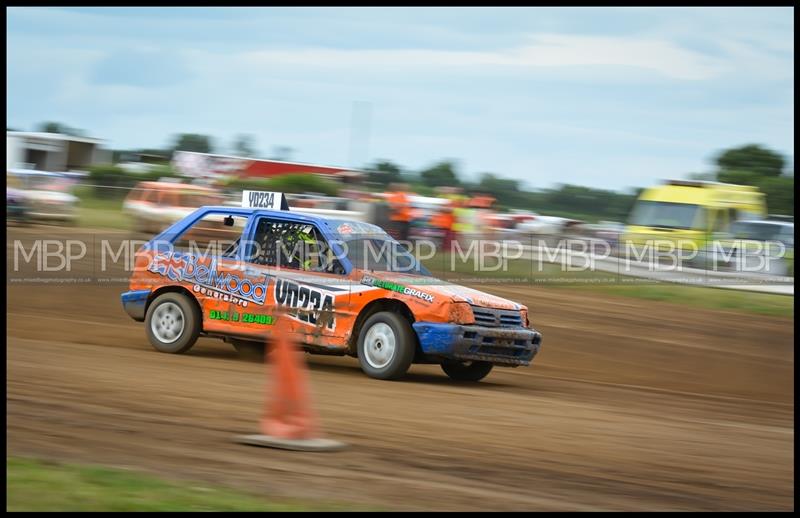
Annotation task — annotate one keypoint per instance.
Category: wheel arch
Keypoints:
(377, 306)
(175, 289)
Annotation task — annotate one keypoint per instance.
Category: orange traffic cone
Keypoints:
(290, 415)
(289, 422)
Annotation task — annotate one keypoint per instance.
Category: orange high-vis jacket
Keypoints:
(443, 219)
(400, 205)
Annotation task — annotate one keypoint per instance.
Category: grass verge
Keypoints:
(96, 212)
(709, 298)
(525, 272)
(34, 485)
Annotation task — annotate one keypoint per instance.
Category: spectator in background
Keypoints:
(443, 220)
(400, 210)
(482, 215)
(463, 227)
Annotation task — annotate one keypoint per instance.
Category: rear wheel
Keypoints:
(386, 346)
(466, 370)
(173, 323)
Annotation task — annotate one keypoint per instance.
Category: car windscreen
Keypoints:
(382, 255)
(663, 214)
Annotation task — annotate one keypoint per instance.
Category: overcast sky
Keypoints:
(611, 97)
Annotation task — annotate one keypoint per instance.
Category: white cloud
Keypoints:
(638, 101)
(544, 50)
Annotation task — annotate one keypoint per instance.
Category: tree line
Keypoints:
(750, 164)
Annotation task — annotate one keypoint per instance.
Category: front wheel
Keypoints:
(466, 371)
(173, 323)
(386, 346)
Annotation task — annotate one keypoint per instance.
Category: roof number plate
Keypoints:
(264, 200)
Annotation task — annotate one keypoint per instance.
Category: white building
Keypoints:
(53, 151)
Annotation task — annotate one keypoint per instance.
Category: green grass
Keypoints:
(102, 218)
(526, 272)
(700, 297)
(34, 485)
(99, 212)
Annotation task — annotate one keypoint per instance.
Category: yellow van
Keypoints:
(688, 214)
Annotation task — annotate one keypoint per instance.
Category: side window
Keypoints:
(750, 215)
(216, 234)
(720, 223)
(704, 218)
(292, 245)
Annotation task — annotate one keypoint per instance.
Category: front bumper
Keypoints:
(498, 345)
(135, 303)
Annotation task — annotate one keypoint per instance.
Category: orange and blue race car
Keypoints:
(346, 288)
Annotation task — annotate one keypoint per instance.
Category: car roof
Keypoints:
(280, 214)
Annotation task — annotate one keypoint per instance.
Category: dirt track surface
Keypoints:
(631, 405)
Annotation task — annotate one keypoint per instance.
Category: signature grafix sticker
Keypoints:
(399, 288)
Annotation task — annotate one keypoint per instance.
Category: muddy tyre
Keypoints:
(173, 323)
(465, 370)
(386, 346)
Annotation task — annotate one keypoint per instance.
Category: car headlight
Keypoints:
(461, 313)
